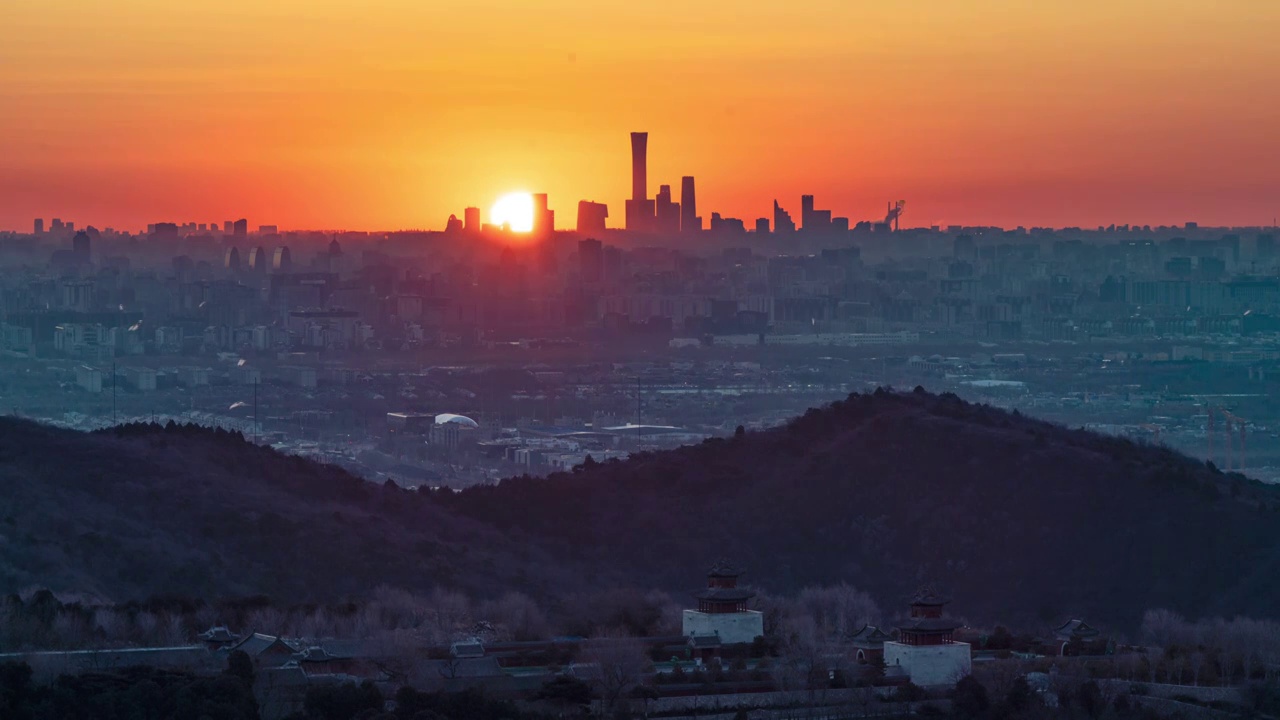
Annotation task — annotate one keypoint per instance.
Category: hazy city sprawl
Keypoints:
(454, 358)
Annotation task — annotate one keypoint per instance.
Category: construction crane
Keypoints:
(894, 211)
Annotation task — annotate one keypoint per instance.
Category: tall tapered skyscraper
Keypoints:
(689, 220)
(639, 166)
(640, 211)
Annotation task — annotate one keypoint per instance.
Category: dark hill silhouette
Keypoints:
(141, 510)
(1021, 521)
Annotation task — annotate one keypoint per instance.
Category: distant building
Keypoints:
(868, 643)
(231, 260)
(192, 376)
(80, 248)
(591, 260)
(722, 609)
(666, 212)
(1076, 637)
(281, 260)
(240, 227)
(471, 220)
(689, 220)
(544, 218)
(89, 379)
(591, 217)
(926, 649)
(142, 379)
(299, 376)
(727, 226)
(782, 222)
(258, 260)
(39, 226)
(640, 212)
(813, 220)
(265, 650)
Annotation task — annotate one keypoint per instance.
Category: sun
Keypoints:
(514, 209)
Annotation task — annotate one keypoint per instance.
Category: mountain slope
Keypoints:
(1022, 521)
(146, 510)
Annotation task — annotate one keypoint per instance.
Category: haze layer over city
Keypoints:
(413, 360)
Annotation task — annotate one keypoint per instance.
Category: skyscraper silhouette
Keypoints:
(590, 260)
(639, 166)
(667, 213)
(80, 248)
(544, 219)
(689, 220)
(782, 222)
(591, 216)
(640, 213)
(471, 220)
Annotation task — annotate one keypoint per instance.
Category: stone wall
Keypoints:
(929, 665)
(733, 628)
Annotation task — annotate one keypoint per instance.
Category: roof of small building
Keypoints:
(723, 568)
(929, 595)
(313, 654)
(257, 643)
(471, 648)
(704, 641)
(870, 634)
(1076, 629)
(218, 634)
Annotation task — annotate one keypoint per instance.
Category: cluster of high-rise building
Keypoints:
(666, 216)
(660, 215)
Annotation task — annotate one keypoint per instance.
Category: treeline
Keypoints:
(391, 620)
(130, 694)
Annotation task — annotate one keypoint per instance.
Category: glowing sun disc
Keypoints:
(514, 209)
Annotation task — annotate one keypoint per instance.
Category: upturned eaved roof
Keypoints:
(218, 634)
(869, 635)
(723, 568)
(929, 595)
(257, 643)
(1076, 629)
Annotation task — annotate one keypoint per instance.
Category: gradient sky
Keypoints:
(395, 113)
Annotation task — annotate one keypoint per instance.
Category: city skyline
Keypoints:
(979, 113)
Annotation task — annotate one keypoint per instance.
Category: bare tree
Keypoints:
(1196, 661)
(807, 653)
(838, 610)
(617, 663)
(516, 616)
(448, 611)
(999, 677)
(1162, 627)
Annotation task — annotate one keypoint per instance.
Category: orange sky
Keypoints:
(395, 113)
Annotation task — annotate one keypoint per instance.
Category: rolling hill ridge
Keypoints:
(1022, 521)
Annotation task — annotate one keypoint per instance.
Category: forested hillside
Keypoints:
(1021, 521)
